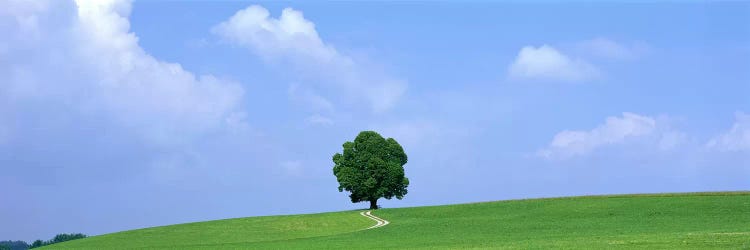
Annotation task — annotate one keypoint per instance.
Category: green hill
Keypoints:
(656, 221)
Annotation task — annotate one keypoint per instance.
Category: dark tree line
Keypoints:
(22, 245)
(58, 238)
(13, 245)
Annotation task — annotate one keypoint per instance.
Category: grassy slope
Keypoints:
(218, 233)
(680, 221)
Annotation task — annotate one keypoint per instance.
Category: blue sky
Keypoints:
(117, 115)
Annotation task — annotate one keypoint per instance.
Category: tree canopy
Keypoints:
(370, 168)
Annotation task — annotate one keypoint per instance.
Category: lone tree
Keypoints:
(371, 168)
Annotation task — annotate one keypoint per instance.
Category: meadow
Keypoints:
(650, 221)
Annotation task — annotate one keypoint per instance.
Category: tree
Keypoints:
(37, 243)
(371, 168)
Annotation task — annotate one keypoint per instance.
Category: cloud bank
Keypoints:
(87, 61)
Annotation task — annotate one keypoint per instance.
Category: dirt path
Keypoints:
(381, 222)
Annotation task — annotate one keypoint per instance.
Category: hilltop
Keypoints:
(679, 221)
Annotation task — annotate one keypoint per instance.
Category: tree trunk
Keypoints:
(374, 204)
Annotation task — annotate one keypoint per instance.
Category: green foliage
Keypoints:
(58, 239)
(13, 245)
(37, 243)
(370, 168)
(664, 221)
(66, 237)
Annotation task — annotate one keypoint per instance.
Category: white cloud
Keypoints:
(294, 39)
(671, 139)
(547, 63)
(606, 48)
(318, 119)
(615, 130)
(735, 139)
(84, 57)
(291, 34)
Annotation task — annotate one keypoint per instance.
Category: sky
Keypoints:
(118, 115)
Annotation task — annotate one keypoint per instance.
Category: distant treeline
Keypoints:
(22, 245)
(13, 245)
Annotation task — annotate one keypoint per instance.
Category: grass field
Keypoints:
(661, 221)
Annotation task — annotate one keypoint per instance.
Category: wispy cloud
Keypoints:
(294, 39)
(614, 130)
(309, 98)
(610, 49)
(737, 138)
(318, 119)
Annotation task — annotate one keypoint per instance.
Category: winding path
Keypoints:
(381, 222)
